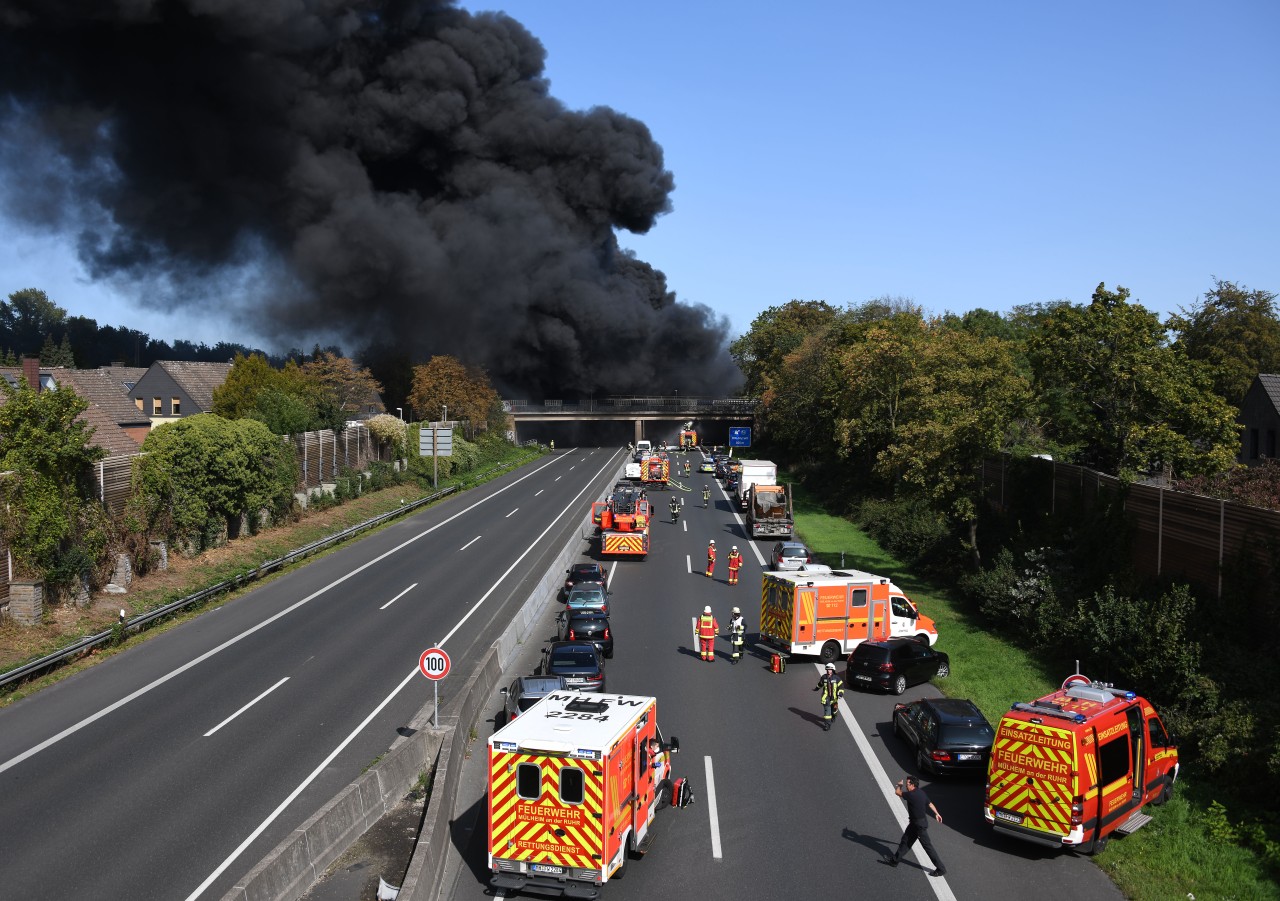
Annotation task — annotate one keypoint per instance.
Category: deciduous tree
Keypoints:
(445, 381)
(1233, 330)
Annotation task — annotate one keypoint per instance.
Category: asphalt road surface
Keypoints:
(168, 771)
(783, 809)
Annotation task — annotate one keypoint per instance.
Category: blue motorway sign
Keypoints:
(740, 437)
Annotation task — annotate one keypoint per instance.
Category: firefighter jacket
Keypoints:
(707, 626)
(831, 688)
(735, 560)
(737, 628)
(711, 553)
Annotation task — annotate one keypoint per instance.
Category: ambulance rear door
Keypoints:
(777, 610)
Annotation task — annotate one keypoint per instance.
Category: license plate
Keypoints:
(863, 678)
(546, 868)
(968, 757)
(1008, 817)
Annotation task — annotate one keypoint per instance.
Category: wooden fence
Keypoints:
(1176, 535)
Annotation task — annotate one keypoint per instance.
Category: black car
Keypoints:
(893, 664)
(949, 735)
(526, 691)
(584, 572)
(578, 661)
(586, 625)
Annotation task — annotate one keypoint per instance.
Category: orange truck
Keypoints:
(688, 439)
(623, 522)
(573, 792)
(1073, 768)
(829, 613)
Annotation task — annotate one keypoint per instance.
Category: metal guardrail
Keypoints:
(136, 623)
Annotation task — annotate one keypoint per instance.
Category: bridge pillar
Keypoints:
(639, 429)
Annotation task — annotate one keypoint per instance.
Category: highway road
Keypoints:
(783, 809)
(168, 771)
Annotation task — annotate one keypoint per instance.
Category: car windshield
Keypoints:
(966, 734)
(587, 622)
(794, 552)
(572, 660)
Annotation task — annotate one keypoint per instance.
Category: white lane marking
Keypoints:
(608, 579)
(112, 708)
(712, 812)
(686, 526)
(688, 564)
(246, 706)
(896, 807)
(399, 596)
(571, 468)
(262, 827)
(557, 478)
(511, 514)
(539, 491)
(469, 543)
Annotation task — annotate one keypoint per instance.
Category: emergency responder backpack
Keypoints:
(682, 794)
(778, 663)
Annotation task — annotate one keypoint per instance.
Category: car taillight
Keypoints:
(572, 636)
(1077, 811)
(885, 667)
(598, 677)
(941, 756)
(606, 634)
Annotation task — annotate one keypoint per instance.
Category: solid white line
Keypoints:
(712, 812)
(246, 706)
(539, 491)
(399, 596)
(111, 708)
(688, 564)
(896, 807)
(608, 579)
(511, 514)
(686, 526)
(209, 880)
(469, 543)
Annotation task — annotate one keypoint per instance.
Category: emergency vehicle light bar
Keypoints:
(1048, 711)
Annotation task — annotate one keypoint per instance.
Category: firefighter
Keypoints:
(737, 634)
(707, 629)
(706, 495)
(675, 510)
(553, 445)
(832, 690)
(686, 468)
(735, 564)
(711, 558)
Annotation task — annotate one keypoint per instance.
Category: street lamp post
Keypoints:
(400, 410)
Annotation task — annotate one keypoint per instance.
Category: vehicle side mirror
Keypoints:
(674, 745)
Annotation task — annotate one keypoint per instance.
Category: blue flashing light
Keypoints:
(1129, 695)
(1079, 718)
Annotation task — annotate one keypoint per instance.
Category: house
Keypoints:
(172, 389)
(118, 428)
(1260, 420)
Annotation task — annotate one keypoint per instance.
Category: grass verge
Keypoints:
(1186, 852)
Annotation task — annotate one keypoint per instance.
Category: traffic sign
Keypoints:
(434, 664)
(740, 436)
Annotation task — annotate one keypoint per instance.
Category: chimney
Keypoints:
(31, 371)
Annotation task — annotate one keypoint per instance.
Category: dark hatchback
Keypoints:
(586, 625)
(578, 661)
(949, 735)
(894, 664)
(584, 572)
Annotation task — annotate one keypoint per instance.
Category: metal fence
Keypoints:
(1176, 535)
(324, 454)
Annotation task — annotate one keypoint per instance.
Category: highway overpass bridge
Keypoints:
(616, 420)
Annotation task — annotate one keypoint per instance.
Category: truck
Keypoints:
(769, 513)
(655, 470)
(575, 786)
(829, 614)
(644, 447)
(1074, 767)
(763, 472)
(688, 439)
(622, 521)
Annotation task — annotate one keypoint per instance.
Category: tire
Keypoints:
(899, 685)
(1099, 844)
(944, 670)
(830, 651)
(1166, 792)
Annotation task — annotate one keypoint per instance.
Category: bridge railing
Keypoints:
(637, 404)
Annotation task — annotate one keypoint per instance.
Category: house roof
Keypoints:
(107, 431)
(108, 435)
(102, 391)
(197, 379)
(1271, 384)
(124, 376)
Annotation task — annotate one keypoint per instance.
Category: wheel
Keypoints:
(830, 651)
(944, 670)
(899, 685)
(1166, 792)
(1099, 844)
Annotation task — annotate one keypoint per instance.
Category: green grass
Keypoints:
(1178, 855)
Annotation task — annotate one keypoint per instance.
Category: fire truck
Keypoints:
(655, 470)
(574, 786)
(623, 521)
(688, 439)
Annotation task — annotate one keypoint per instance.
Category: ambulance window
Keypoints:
(571, 785)
(1113, 759)
(529, 781)
(858, 597)
(1158, 737)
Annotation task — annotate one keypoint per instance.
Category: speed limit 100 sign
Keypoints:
(434, 663)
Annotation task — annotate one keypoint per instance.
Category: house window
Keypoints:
(175, 406)
(1253, 444)
(157, 406)
(137, 402)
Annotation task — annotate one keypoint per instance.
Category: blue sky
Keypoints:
(961, 155)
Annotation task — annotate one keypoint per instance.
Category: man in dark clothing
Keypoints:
(918, 809)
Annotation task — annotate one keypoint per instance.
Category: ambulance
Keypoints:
(573, 791)
(830, 613)
(1073, 768)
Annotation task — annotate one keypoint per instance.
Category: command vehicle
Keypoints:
(769, 512)
(573, 791)
(829, 614)
(623, 521)
(1072, 768)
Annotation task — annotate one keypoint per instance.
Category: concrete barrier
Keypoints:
(302, 858)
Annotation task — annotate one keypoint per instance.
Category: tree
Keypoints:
(798, 401)
(352, 387)
(249, 376)
(1130, 402)
(46, 459)
(445, 381)
(27, 318)
(775, 333)
(1233, 330)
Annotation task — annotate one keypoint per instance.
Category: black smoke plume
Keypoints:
(380, 173)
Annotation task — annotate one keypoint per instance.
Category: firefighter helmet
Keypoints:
(706, 609)
(736, 610)
(713, 541)
(735, 547)
(831, 666)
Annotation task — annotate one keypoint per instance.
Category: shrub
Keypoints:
(909, 530)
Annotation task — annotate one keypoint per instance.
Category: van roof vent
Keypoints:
(1089, 693)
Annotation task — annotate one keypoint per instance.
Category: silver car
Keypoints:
(789, 555)
(526, 691)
